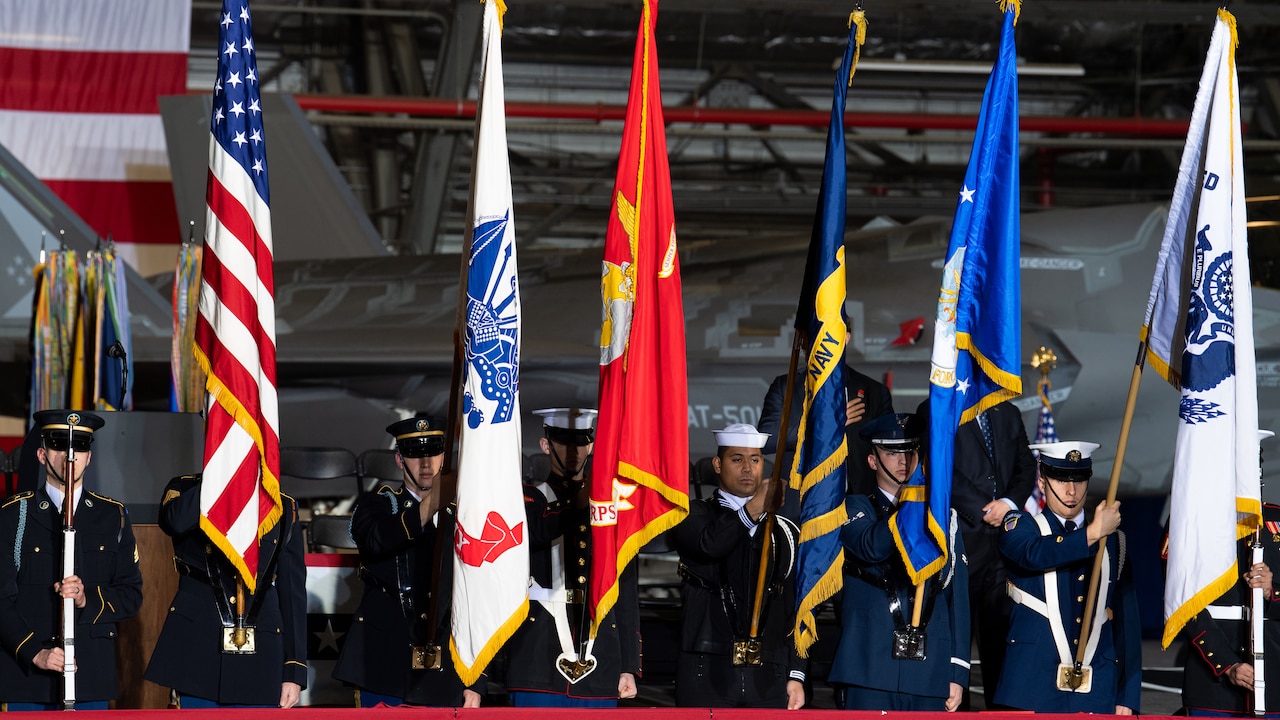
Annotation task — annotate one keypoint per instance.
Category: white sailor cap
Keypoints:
(1070, 457)
(568, 425)
(741, 435)
(1264, 434)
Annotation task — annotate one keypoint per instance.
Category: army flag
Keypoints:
(1199, 328)
(977, 331)
(491, 559)
(236, 330)
(819, 467)
(640, 479)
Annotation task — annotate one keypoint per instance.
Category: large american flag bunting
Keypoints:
(236, 333)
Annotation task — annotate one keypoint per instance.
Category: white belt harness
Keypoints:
(555, 598)
(1051, 610)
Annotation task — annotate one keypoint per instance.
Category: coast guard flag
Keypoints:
(977, 333)
(240, 499)
(1199, 328)
(491, 562)
(236, 331)
(640, 481)
(819, 469)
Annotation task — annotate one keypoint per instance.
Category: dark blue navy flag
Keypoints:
(977, 333)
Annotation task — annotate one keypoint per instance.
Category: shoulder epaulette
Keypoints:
(290, 498)
(24, 495)
(104, 498)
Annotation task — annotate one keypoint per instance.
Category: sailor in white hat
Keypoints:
(719, 664)
(1051, 558)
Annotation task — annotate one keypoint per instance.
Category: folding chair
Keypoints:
(378, 466)
(330, 532)
(317, 472)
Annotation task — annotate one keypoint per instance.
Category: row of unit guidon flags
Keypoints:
(1197, 335)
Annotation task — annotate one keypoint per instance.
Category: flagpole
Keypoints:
(1091, 595)
(772, 502)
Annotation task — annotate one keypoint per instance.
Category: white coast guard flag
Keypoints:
(491, 565)
(1200, 333)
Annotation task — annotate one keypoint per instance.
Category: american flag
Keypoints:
(235, 333)
(1046, 432)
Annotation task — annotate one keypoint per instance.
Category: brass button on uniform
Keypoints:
(581, 579)
(582, 561)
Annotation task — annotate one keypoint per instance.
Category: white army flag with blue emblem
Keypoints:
(491, 563)
(1200, 326)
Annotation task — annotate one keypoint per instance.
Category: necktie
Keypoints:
(1070, 525)
(985, 427)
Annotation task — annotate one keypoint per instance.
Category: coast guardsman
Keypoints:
(1050, 561)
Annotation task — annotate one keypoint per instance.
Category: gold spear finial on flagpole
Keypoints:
(857, 17)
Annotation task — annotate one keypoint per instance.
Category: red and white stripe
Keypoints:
(78, 87)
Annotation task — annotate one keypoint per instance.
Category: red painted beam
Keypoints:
(432, 107)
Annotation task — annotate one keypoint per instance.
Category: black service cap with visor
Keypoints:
(568, 425)
(895, 431)
(418, 437)
(60, 429)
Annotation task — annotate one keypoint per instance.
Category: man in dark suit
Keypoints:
(390, 653)
(550, 660)
(106, 586)
(876, 669)
(865, 400)
(196, 654)
(720, 544)
(1050, 560)
(994, 473)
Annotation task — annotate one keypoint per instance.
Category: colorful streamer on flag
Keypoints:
(491, 562)
(819, 467)
(640, 481)
(977, 332)
(187, 377)
(235, 333)
(55, 321)
(1199, 334)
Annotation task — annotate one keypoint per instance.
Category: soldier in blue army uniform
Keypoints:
(1218, 676)
(719, 545)
(882, 661)
(1051, 557)
(106, 586)
(390, 653)
(550, 660)
(199, 653)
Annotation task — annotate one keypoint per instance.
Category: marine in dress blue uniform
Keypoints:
(1050, 558)
(190, 656)
(106, 586)
(720, 544)
(879, 597)
(550, 661)
(397, 652)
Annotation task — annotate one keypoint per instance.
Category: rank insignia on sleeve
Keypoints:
(1011, 522)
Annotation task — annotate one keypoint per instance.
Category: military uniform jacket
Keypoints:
(30, 612)
(397, 556)
(559, 532)
(1217, 644)
(864, 655)
(1033, 556)
(188, 655)
(720, 561)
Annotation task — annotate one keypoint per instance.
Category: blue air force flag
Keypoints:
(977, 332)
(491, 563)
(1200, 333)
(819, 465)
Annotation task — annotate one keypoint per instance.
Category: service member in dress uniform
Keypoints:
(550, 660)
(389, 653)
(1051, 557)
(222, 646)
(719, 542)
(883, 661)
(106, 586)
(1218, 676)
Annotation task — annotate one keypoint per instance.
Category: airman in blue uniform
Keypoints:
(875, 658)
(1050, 560)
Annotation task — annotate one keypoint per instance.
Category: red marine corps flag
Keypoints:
(236, 331)
(640, 481)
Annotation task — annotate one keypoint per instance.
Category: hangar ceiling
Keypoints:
(1133, 63)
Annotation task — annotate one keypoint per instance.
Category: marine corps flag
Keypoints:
(819, 472)
(977, 332)
(1199, 330)
(640, 476)
(491, 562)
